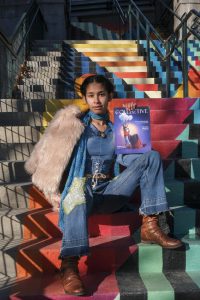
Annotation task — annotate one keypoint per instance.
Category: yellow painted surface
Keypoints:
(52, 106)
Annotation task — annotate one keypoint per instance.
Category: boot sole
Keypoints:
(76, 294)
(172, 247)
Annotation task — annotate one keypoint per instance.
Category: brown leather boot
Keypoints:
(152, 234)
(71, 280)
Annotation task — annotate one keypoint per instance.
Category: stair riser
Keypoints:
(16, 105)
(43, 64)
(46, 53)
(157, 117)
(18, 134)
(182, 169)
(15, 151)
(45, 58)
(13, 172)
(40, 95)
(17, 196)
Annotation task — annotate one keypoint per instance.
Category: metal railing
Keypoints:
(16, 48)
(178, 39)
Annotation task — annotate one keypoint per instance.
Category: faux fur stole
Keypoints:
(52, 153)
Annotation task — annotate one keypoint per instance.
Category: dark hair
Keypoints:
(98, 79)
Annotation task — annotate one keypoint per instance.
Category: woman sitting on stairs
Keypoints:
(82, 146)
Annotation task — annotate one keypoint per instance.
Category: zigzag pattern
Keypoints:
(120, 267)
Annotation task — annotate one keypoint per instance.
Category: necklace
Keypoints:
(101, 134)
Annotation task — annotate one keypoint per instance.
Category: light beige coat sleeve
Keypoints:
(53, 151)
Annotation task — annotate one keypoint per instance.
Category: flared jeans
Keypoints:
(143, 170)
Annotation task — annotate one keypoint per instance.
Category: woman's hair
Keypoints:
(98, 79)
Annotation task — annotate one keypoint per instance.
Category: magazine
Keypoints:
(132, 130)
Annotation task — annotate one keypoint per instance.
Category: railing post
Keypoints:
(168, 60)
(138, 27)
(130, 25)
(185, 60)
(148, 48)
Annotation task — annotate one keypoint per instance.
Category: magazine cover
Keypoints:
(132, 130)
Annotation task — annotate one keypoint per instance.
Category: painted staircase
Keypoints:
(119, 267)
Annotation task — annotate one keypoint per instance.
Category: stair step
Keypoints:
(47, 43)
(103, 59)
(21, 105)
(19, 134)
(167, 148)
(44, 58)
(41, 95)
(17, 105)
(177, 148)
(43, 64)
(173, 117)
(45, 53)
(13, 171)
(15, 151)
(182, 168)
(162, 104)
(25, 223)
(19, 196)
(183, 192)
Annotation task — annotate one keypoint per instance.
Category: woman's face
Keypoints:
(97, 98)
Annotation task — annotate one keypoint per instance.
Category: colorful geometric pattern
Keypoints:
(176, 86)
(119, 267)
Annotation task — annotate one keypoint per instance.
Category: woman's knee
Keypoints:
(153, 156)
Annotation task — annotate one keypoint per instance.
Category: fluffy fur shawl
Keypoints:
(52, 153)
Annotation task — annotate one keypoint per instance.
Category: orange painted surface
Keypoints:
(121, 53)
(146, 87)
(121, 63)
(131, 74)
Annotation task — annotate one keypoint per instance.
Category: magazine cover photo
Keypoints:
(132, 130)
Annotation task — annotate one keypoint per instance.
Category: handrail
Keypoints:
(168, 45)
(28, 30)
(16, 48)
(8, 41)
(169, 9)
(119, 9)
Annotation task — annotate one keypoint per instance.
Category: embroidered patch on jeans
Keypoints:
(75, 196)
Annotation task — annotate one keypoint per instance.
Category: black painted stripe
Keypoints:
(129, 281)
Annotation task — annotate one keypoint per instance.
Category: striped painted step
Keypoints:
(156, 275)
(13, 171)
(182, 192)
(114, 59)
(45, 58)
(97, 31)
(45, 53)
(43, 76)
(157, 117)
(50, 287)
(182, 168)
(19, 134)
(54, 47)
(41, 95)
(177, 148)
(26, 223)
(15, 151)
(71, 94)
(42, 63)
(17, 196)
(33, 223)
(8, 105)
(17, 105)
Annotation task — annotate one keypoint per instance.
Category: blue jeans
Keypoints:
(144, 170)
